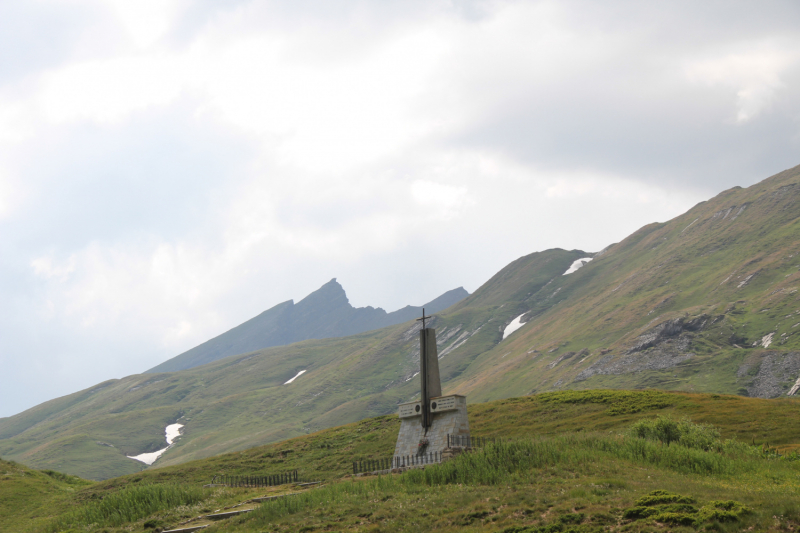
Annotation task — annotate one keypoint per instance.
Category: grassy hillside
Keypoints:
(705, 302)
(570, 453)
(29, 497)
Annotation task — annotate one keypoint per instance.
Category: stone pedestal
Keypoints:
(449, 414)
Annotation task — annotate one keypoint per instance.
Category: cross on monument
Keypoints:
(423, 318)
(431, 386)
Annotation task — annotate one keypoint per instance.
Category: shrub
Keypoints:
(684, 432)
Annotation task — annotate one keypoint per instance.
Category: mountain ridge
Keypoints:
(325, 313)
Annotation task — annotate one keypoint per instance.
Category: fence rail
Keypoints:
(256, 481)
(468, 441)
(402, 461)
(399, 461)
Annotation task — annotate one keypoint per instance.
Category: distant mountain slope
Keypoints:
(708, 301)
(325, 313)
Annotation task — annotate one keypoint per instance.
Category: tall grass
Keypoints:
(337, 494)
(521, 460)
(128, 505)
(497, 462)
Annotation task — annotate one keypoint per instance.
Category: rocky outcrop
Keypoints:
(773, 373)
(665, 330)
(664, 346)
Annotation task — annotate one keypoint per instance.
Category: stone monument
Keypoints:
(425, 424)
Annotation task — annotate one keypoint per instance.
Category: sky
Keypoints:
(171, 168)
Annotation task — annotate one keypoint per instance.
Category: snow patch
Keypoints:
(794, 388)
(513, 326)
(690, 225)
(766, 340)
(578, 263)
(297, 376)
(412, 377)
(171, 433)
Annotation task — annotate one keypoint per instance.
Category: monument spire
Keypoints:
(430, 384)
(439, 416)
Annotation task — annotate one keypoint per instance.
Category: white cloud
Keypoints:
(185, 166)
(48, 268)
(146, 21)
(108, 91)
(754, 73)
(445, 200)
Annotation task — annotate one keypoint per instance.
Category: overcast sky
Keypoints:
(171, 168)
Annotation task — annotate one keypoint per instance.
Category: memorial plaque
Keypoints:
(444, 403)
(410, 409)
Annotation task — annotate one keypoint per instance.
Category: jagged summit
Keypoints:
(324, 313)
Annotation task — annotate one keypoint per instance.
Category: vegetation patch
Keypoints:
(129, 504)
(674, 509)
(619, 401)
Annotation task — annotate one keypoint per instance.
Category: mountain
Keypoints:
(707, 301)
(325, 313)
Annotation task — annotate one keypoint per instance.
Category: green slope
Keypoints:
(30, 498)
(677, 305)
(587, 472)
(683, 305)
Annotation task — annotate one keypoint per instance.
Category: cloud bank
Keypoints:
(170, 168)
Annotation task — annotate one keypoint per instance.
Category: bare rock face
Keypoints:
(665, 330)
(664, 346)
(775, 374)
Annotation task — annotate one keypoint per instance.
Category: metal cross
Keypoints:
(423, 318)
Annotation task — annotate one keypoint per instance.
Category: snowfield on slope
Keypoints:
(297, 376)
(513, 326)
(576, 265)
(171, 432)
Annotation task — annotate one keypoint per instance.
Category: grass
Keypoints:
(569, 462)
(29, 497)
(129, 505)
(568, 483)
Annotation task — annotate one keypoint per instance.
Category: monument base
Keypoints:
(449, 417)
